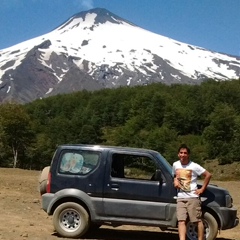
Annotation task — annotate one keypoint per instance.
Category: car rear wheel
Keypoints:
(210, 228)
(71, 220)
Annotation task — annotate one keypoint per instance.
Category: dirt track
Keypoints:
(22, 218)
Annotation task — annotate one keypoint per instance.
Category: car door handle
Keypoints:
(115, 187)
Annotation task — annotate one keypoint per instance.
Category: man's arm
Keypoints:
(207, 176)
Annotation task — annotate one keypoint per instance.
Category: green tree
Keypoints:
(15, 130)
(40, 152)
(235, 142)
(218, 135)
(88, 135)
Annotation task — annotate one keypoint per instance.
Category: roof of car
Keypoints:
(103, 147)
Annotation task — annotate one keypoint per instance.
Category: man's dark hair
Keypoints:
(184, 146)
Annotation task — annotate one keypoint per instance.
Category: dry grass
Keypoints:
(227, 172)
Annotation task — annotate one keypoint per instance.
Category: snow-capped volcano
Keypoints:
(97, 49)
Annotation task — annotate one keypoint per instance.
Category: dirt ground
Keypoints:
(21, 215)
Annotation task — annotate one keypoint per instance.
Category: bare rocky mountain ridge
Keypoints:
(96, 49)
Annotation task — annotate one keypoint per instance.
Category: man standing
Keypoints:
(185, 174)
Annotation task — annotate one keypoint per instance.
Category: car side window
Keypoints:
(80, 163)
(133, 167)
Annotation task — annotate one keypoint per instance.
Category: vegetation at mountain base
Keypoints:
(157, 116)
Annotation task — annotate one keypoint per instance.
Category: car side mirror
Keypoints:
(157, 176)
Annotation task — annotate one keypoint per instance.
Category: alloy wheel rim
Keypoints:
(70, 220)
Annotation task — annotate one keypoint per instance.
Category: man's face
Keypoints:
(183, 155)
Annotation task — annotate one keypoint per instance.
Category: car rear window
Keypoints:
(80, 163)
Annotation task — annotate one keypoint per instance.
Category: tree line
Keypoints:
(157, 116)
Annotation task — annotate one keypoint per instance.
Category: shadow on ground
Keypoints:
(116, 234)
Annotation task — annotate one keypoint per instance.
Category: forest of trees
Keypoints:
(157, 116)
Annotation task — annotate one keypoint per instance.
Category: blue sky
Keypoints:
(212, 24)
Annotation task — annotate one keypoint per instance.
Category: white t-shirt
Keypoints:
(187, 175)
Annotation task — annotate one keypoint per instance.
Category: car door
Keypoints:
(130, 189)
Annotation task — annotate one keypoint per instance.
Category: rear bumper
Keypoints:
(46, 201)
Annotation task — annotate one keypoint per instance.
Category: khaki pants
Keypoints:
(189, 207)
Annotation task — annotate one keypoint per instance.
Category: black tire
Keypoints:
(71, 220)
(210, 228)
(94, 227)
(43, 180)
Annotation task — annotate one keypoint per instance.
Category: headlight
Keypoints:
(229, 201)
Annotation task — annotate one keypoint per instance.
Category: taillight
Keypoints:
(49, 182)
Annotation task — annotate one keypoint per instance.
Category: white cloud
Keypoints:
(85, 4)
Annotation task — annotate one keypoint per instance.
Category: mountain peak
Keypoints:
(103, 16)
(100, 16)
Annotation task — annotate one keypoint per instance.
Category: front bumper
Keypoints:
(228, 218)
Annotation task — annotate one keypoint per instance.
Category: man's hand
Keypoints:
(199, 191)
(176, 183)
(207, 177)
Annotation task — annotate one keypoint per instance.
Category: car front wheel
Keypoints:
(210, 228)
(71, 220)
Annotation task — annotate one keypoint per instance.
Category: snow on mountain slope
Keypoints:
(111, 52)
